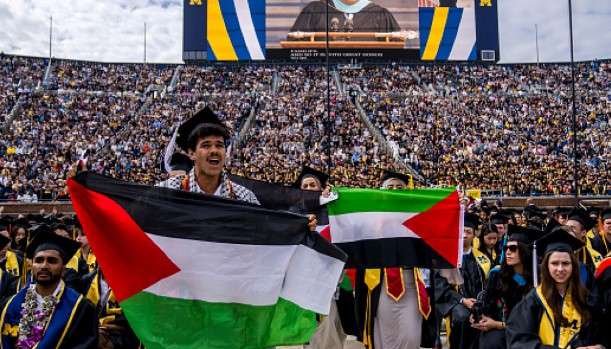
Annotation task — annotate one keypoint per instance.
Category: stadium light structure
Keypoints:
(574, 106)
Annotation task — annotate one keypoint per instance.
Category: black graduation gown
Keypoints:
(372, 18)
(523, 325)
(498, 305)
(600, 302)
(83, 333)
(601, 246)
(447, 301)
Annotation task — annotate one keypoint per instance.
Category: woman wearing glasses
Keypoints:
(507, 286)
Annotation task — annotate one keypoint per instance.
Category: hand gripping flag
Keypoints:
(197, 271)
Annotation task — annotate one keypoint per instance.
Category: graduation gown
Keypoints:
(372, 18)
(447, 301)
(13, 264)
(531, 325)
(499, 303)
(73, 324)
(600, 244)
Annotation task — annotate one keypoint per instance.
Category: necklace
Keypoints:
(33, 320)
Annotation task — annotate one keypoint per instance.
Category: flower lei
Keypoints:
(33, 322)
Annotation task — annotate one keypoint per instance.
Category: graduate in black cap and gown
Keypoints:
(203, 137)
(580, 223)
(602, 241)
(457, 300)
(555, 313)
(391, 309)
(508, 284)
(331, 332)
(47, 313)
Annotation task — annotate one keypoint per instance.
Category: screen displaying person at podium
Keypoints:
(345, 16)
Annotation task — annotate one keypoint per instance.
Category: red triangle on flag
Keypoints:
(439, 227)
(130, 260)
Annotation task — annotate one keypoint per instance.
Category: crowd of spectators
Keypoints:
(499, 127)
(503, 127)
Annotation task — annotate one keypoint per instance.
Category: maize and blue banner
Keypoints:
(235, 30)
(447, 34)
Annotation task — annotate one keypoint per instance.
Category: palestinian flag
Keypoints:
(197, 271)
(388, 228)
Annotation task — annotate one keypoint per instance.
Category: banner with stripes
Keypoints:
(447, 34)
(236, 30)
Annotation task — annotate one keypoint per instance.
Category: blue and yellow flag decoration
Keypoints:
(447, 34)
(236, 30)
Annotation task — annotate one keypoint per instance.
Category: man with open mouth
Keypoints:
(203, 138)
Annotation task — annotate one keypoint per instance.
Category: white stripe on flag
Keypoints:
(311, 279)
(465, 37)
(248, 274)
(248, 29)
(358, 226)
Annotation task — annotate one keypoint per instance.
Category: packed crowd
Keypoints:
(503, 127)
(290, 131)
(506, 128)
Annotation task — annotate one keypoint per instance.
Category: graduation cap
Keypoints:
(561, 211)
(580, 215)
(387, 174)
(522, 234)
(558, 240)
(6, 222)
(499, 218)
(471, 220)
(44, 239)
(308, 172)
(180, 161)
(204, 122)
(606, 214)
(4, 241)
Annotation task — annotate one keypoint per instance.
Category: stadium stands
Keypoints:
(499, 127)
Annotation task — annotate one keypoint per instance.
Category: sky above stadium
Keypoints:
(112, 30)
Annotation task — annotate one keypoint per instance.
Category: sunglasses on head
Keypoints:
(511, 248)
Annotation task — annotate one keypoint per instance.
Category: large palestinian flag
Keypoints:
(388, 228)
(196, 271)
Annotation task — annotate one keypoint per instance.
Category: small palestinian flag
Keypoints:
(388, 228)
(197, 271)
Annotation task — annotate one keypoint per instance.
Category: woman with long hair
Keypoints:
(486, 242)
(507, 285)
(554, 314)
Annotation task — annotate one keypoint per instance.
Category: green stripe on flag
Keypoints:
(376, 200)
(172, 323)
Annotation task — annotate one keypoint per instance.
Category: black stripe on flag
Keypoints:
(180, 214)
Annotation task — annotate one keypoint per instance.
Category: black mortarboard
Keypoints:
(5, 222)
(521, 234)
(306, 172)
(45, 239)
(499, 219)
(204, 122)
(387, 174)
(4, 241)
(594, 212)
(560, 240)
(471, 220)
(561, 211)
(180, 161)
(606, 214)
(580, 215)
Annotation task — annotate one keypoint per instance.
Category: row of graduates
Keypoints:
(404, 307)
(497, 299)
(92, 319)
